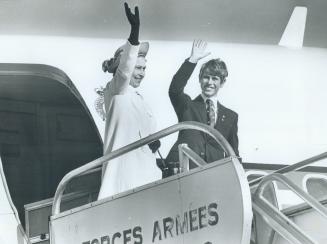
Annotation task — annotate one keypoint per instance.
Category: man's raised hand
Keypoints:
(198, 51)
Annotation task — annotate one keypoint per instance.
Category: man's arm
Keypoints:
(177, 96)
(233, 138)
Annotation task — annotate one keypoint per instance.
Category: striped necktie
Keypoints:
(210, 112)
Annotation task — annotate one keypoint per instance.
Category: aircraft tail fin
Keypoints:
(294, 32)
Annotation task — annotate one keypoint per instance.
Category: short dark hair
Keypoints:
(215, 67)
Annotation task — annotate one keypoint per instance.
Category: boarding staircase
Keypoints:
(301, 224)
(187, 207)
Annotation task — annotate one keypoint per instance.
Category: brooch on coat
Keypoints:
(99, 103)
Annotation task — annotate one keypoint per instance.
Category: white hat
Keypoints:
(112, 64)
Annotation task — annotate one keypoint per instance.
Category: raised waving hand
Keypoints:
(134, 20)
(198, 51)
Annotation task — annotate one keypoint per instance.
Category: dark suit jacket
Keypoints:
(195, 110)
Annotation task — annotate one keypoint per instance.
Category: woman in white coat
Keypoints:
(128, 117)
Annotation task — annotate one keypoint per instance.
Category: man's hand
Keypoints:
(198, 51)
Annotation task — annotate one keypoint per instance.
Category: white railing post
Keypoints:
(184, 161)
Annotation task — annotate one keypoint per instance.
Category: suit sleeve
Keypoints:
(233, 138)
(177, 96)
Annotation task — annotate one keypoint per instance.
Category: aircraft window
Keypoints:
(254, 174)
(316, 185)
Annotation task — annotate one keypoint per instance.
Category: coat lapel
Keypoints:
(201, 108)
(221, 120)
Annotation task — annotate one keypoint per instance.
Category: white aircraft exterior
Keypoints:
(277, 90)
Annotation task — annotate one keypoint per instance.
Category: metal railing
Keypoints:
(280, 223)
(144, 141)
(186, 154)
(297, 190)
(276, 219)
(293, 167)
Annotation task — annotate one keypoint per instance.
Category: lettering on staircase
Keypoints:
(168, 227)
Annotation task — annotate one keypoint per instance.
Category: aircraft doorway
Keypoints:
(45, 131)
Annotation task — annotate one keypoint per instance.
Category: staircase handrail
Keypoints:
(293, 167)
(144, 141)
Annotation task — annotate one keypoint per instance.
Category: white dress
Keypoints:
(128, 119)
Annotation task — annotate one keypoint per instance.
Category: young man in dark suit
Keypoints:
(204, 108)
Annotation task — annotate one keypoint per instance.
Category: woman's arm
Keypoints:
(129, 54)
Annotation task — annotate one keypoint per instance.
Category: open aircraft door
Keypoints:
(11, 230)
(211, 204)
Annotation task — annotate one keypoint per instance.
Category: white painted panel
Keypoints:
(215, 199)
